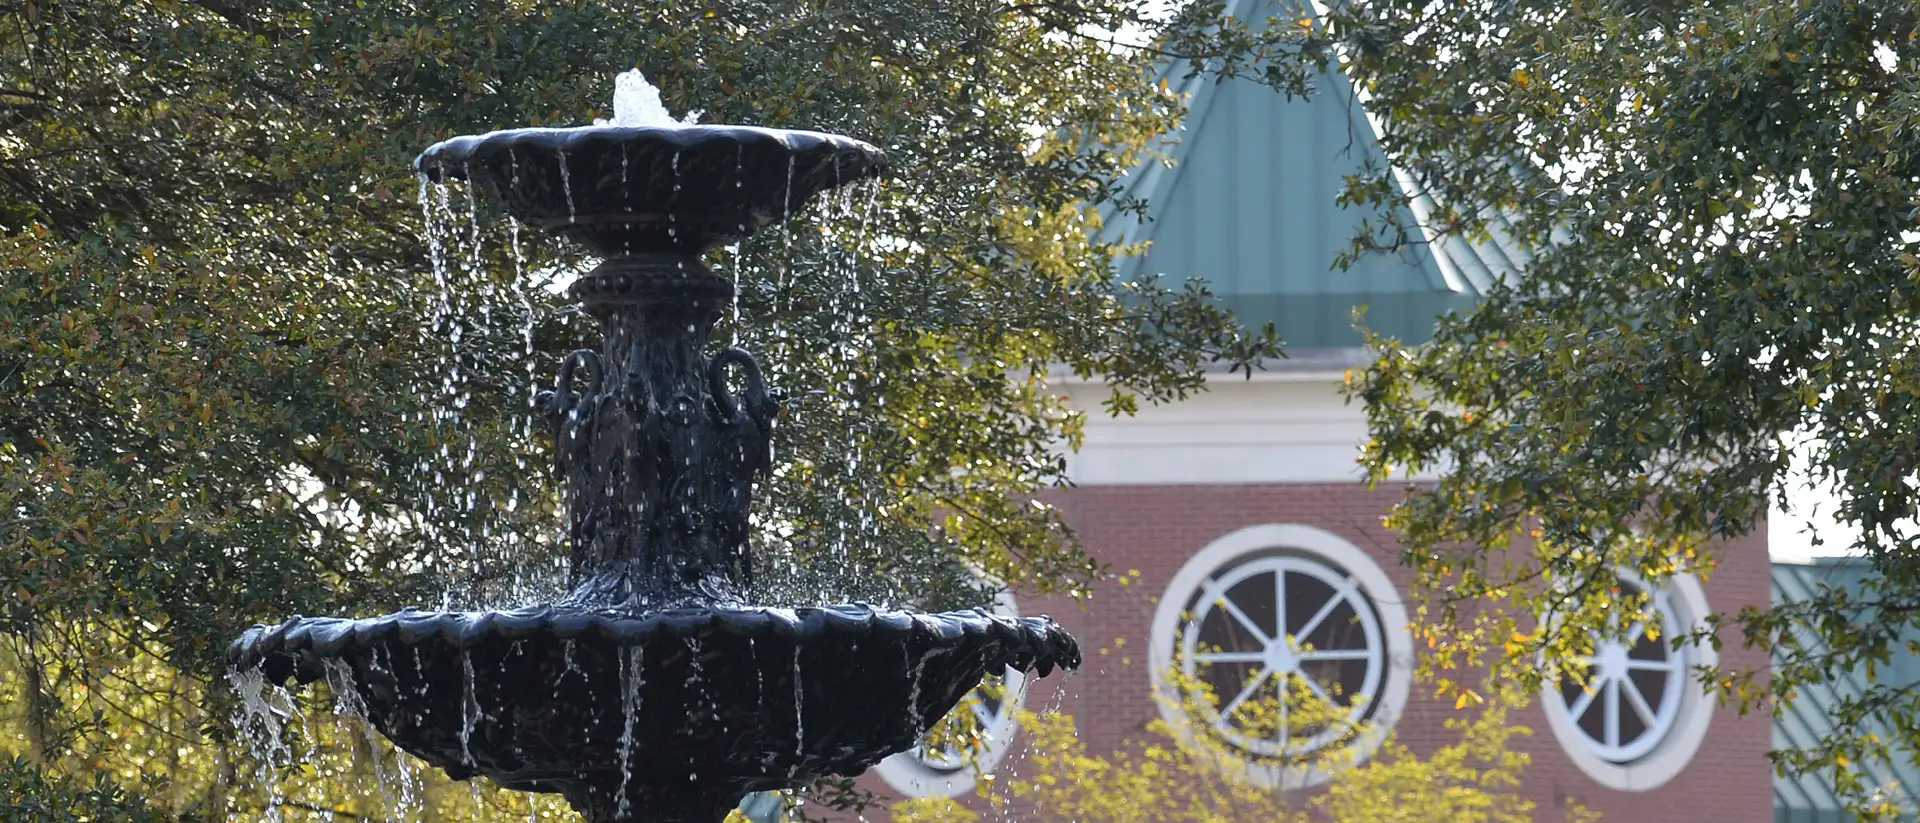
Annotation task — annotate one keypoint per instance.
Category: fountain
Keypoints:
(653, 689)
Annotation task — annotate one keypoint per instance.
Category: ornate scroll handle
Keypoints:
(562, 400)
(760, 405)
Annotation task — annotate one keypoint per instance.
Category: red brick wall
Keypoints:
(1155, 529)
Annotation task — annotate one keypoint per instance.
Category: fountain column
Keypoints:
(657, 453)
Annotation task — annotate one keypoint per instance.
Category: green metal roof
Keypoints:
(1803, 722)
(1249, 204)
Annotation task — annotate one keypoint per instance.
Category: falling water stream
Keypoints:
(633, 680)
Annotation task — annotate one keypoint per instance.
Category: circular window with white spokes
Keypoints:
(969, 741)
(1286, 644)
(1632, 714)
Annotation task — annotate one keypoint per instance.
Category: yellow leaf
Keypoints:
(1520, 77)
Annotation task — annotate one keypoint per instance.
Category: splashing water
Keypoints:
(262, 716)
(636, 103)
(397, 791)
(799, 712)
(913, 696)
(633, 679)
(470, 708)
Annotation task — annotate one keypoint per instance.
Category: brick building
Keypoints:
(1232, 502)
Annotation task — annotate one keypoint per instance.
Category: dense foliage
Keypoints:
(232, 388)
(32, 797)
(1185, 773)
(1712, 208)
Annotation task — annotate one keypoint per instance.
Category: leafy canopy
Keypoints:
(1713, 211)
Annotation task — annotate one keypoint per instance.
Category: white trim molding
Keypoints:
(1289, 422)
(1236, 432)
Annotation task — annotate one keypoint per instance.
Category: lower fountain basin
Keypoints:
(679, 712)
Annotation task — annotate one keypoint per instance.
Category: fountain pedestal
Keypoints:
(658, 455)
(651, 690)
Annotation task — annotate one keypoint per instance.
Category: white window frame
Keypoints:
(1254, 543)
(1652, 764)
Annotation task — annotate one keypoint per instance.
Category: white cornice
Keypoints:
(1299, 366)
(1283, 427)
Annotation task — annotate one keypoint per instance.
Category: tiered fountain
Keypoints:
(653, 690)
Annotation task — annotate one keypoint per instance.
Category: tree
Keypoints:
(1186, 773)
(1711, 211)
(33, 798)
(232, 388)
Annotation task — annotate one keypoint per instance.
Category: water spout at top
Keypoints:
(636, 103)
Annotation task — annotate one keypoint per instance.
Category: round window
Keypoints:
(1637, 716)
(947, 768)
(1280, 617)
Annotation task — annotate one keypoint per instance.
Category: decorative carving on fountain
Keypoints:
(658, 455)
(652, 690)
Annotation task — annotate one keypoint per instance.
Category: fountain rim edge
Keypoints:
(462, 149)
(812, 622)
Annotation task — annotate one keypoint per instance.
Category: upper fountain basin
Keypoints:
(637, 189)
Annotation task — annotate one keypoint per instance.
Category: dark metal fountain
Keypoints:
(653, 690)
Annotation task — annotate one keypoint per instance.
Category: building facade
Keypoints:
(1239, 516)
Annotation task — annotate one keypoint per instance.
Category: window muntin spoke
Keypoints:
(1580, 707)
(1284, 733)
(1638, 701)
(1226, 602)
(1336, 654)
(1280, 604)
(1613, 713)
(1253, 686)
(1314, 686)
(985, 716)
(1230, 657)
(1342, 593)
